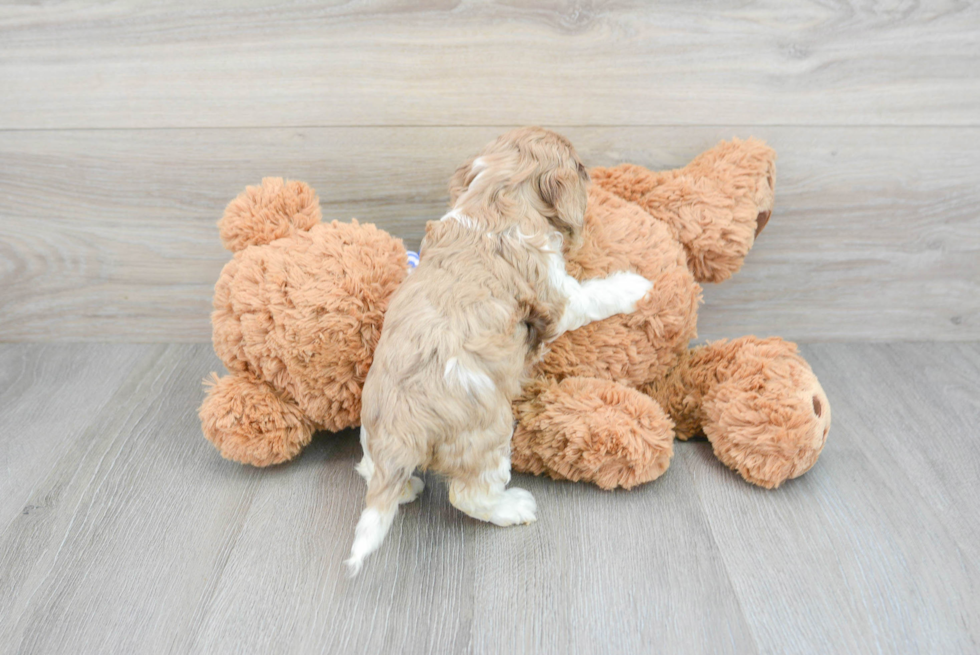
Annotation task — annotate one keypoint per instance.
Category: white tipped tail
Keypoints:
(371, 530)
(388, 485)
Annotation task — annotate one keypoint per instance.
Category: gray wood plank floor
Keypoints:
(121, 530)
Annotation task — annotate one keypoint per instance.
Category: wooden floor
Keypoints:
(121, 530)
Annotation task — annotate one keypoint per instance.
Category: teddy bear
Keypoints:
(300, 307)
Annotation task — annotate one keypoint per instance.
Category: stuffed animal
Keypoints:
(299, 309)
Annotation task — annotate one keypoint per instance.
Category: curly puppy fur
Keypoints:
(460, 332)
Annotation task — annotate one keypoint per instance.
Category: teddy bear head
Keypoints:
(302, 308)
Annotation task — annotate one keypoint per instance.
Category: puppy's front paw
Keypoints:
(630, 289)
(516, 506)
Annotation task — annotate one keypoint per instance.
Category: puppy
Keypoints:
(459, 333)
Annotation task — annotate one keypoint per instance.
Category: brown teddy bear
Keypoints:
(299, 309)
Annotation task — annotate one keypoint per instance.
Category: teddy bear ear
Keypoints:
(261, 214)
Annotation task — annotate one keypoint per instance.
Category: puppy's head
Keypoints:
(534, 166)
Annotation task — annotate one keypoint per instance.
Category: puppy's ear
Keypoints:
(566, 192)
(540, 324)
(460, 181)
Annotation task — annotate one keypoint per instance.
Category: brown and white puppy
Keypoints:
(460, 331)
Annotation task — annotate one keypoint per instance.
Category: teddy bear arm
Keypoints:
(251, 423)
(594, 430)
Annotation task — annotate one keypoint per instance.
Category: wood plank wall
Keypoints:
(126, 127)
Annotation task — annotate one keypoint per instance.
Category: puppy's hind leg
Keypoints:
(390, 483)
(411, 490)
(365, 468)
(483, 494)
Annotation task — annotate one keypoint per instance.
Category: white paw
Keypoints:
(516, 506)
(365, 468)
(630, 289)
(412, 489)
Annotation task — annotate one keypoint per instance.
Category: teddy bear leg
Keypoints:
(716, 205)
(762, 408)
(593, 430)
(746, 170)
(250, 423)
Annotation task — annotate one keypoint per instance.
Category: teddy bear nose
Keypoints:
(760, 222)
(817, 407)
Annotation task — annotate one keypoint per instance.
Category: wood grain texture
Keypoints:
(139, 537)
(444, 62)
(78, 381)
(142, 537)
(110, 235)
(877, 548)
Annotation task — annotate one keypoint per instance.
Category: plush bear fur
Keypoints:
(299, 309)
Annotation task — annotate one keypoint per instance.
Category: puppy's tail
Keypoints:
(384, 490)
